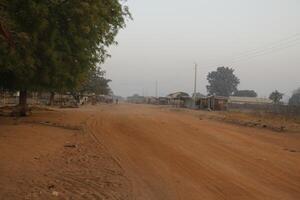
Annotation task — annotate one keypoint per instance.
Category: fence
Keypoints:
(269, 108)
(11, 99)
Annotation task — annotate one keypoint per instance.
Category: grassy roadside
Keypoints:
(278, 123)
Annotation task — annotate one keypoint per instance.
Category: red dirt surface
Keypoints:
(51, 155)
(144, 152)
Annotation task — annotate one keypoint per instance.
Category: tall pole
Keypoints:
(156, 89)
(195, 83)
(195, 86)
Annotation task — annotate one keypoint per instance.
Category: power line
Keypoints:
(266, 52)
(279, 45)
(276, 46)
(292, 38)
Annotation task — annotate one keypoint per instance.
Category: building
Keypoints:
(163, 101)
(213, 102)
(224, 103)
(198, 95)
(136, 99)
(178, 99)
(104, 98)
(178, 95)
(151, 100)
(249, 100)
(249, 103)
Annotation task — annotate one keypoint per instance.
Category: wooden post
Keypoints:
(23, 102)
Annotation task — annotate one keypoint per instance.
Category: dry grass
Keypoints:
(264, 120)
(281, 123)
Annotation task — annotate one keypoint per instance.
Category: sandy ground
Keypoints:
(144, 152)
(51, 155)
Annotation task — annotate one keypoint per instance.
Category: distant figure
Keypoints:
(117, 101)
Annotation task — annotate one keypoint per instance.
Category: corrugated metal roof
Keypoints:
(178, 95)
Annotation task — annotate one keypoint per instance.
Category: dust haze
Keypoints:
(259, 39)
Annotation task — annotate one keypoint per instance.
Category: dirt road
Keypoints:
(172, 154)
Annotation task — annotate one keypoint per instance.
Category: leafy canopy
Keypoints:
(295, 99)
(53, 44)
(276, 96)
(245, 93)
(222, 82)
(95, 83)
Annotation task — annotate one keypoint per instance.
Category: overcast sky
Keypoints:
(260, 39)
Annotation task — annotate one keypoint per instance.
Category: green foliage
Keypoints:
(295, 99)
(297, 91)
(55, 43)
(245, 93)
(95, 83)
(276, 96)
(222, 82)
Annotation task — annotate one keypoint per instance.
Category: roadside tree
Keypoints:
(52, 45)
(222, 82)
(95, 83)
(295, 99)
(276, 97)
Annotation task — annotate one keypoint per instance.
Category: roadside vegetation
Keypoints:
(57, 45)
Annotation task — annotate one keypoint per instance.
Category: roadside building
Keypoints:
(249, 103)
(8, 98)
(12, 98)
(224, 103)
(163, 101)
(213, 102)
(249, 100)
(195, 103)
(151, 100)
(189, 102)
(116, 97)
(136, 99)
(198, 96)
(179, 99)
(104, 99)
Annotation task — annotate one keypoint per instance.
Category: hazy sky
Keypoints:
(260, 39)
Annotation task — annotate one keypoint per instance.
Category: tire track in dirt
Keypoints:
(48, 169)
(125, 152)
(92, 125)
(174, 156)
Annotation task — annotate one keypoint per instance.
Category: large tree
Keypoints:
(222, 82)
(295, 99)
(276, 96)
(245, 93)
(51, 45)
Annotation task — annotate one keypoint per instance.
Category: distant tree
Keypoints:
(297, 91)
(222, 82)
(295, 99)
(95, 83)
(245, 93)
(276, 96)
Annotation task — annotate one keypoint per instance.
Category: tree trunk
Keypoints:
(52, 95)
(23, 103)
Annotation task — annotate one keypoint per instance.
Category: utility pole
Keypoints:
(195, 83)
(156, 89)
